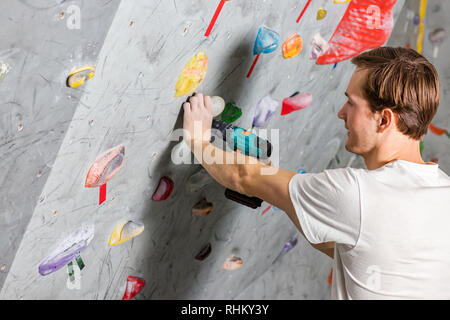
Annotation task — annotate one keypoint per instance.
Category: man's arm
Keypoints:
(242, 174)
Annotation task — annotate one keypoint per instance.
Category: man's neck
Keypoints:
(379, 158)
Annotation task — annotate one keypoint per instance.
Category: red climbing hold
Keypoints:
(204, 253)
(103, 169)
(366, 24)
(296, 102)
(164, 189)
(134, 286)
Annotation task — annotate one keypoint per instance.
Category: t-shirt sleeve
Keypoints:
(328, 205)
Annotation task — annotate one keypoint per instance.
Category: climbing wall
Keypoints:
(85, 237)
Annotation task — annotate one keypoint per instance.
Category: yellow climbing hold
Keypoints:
(125, 231)
(192, 75)
(80, 76)
(321, 13)
(341, 1)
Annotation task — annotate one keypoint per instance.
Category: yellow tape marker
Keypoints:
(423, 9)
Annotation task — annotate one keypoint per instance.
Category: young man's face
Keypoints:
(359, 120)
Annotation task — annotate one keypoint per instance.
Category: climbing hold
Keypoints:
(421, 146)
(264, 110)
(231, 112)
(80, 262)
(292, 46)
(4, 69)
(70, 271)
(103, 169)
(366, 24)
(218, 104)
(266, 41)
(125, 231)
(330, 277)
(321, 13)
(204, 253)
(232, 263)
(80, 76)
(67, 250)
(198, 180)
(341, 1)
(202, 208)
(214, 18)
(437, 37)
(416, 19)
(192, 75)
(290, 244)
(437, 131)
(164, 189)
(134, 286)
(319, 46)
(295, 102)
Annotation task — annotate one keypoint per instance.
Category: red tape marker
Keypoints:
(214, 18)
(304, 9)
(102, 194)
(253, 65)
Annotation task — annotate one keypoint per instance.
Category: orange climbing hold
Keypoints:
(437, 131)
(292, 46)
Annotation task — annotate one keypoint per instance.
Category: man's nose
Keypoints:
(341, 114)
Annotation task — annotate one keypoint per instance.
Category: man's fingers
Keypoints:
(187, 107)
(200, 100)
(208, 103)
(194, 102)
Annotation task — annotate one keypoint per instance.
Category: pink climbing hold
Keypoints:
(294, 103)
(164, 189)
(134, 286)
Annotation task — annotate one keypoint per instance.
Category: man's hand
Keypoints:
(198, 116)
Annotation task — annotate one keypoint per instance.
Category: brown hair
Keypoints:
(404, 81)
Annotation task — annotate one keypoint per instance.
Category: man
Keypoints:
(386, 227)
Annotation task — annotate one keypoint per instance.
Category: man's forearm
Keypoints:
(231, 169)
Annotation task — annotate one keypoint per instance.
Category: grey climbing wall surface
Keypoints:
(40, 44)
(139, 48)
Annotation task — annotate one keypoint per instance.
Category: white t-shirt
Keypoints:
(391, 227)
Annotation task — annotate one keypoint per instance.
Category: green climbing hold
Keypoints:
(80, 262)
(421, 146)
(70, 270)
(231, 112)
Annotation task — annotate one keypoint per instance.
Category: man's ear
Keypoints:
(387, 118)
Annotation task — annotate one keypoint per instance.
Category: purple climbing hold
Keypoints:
(265, 108)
